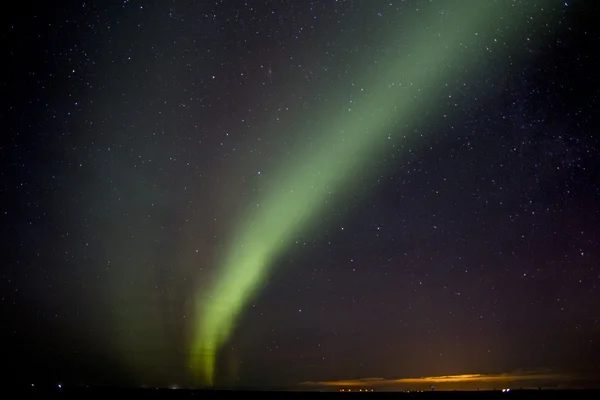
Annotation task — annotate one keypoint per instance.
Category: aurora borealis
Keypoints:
(282, 194)
(347, 140)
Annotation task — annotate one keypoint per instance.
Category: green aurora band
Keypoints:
(347, 141)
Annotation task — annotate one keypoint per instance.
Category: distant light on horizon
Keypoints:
(529, 380)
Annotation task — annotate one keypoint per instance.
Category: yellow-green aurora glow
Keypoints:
(347, 140)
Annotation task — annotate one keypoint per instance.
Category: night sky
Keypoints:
(301, 193)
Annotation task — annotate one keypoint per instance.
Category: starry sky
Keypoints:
(301, 194)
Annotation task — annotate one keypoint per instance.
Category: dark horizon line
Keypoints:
(69, 387)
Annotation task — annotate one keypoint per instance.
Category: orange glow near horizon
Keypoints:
(530, 379)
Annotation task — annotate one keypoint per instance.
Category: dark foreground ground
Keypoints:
(103, 392)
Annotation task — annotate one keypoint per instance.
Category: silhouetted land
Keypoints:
(145, 393)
